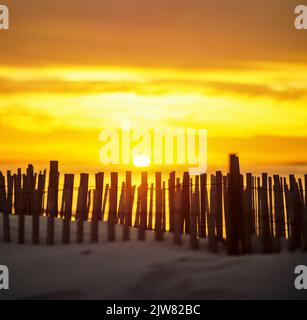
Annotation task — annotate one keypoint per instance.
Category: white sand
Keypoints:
(142, 270)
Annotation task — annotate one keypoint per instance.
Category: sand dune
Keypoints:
(142, 270)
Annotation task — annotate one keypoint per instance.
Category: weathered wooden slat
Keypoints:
(128, 204)
(41, 188)
(112, 207)
(266, 236)
(203, 206)
(219, 206)
(177, 214)
(52, 200)
(37, 208)
(138, 209)
(121, 206)
(270, 203)
(82, 207)
(305, 216)
(234, 206)
(143, 215)
(278, 216)
(67, 206)
(295, 215)
(171, 186)
(9, 198)
(20, 211)
(96, 213)
(226, 209)
(159, 218)
(250, 214)
(150, 214)
(186, 203)
(247, 216)
(104, 204)
(212, 245)
(279, 208)
(195, 214)
(163, 206)
(4, 209)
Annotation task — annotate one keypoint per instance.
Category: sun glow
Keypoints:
(141, 161)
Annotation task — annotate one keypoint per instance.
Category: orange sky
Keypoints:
(70, 68)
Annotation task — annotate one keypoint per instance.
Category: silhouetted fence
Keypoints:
(227, 209)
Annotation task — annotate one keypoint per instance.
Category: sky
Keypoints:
(68, 69)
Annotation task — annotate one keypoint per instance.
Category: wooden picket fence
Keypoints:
(226, 209)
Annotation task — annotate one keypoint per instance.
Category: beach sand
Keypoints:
(141, 270)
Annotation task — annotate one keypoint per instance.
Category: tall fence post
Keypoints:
(234, 206)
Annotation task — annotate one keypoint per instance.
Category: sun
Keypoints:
(141, 161)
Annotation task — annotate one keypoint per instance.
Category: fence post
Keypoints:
(82, 208)
(279, 208)
(163, 207)
(212, 245)
(226, 208)
(10, 183)
(112, 207)
(279, 215)
(177, 214)
(203, 206)
(4, 209)
(128, 207)
(234, 206)
(150, 222)
(305, 217)
(37, 209)
(104, 204)
(247, 216)
(52, 200)
(143, 215)
(271, 206)
(66, 211)
(158, 222)
(41, 188)
(295, 215)
(121, 205)
(195, 212)
(265, 218)
(185, 203)
(138, 209)
(96, 213)
(219, 206)
(249, 203)
(171, 187)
